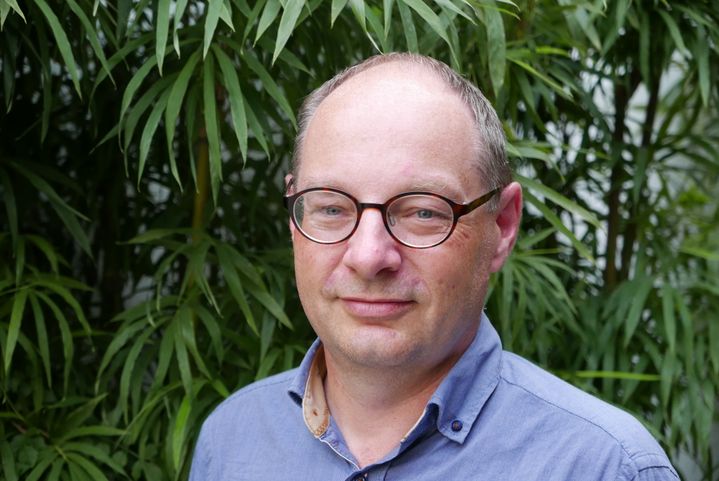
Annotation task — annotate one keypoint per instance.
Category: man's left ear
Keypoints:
(508, 217)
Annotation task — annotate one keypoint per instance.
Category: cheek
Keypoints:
(314, 263)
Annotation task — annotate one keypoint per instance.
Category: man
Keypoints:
(401, 205)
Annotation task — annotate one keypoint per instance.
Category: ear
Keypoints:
(508, 217)
(289, 178)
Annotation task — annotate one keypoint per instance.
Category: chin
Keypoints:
(380, 350)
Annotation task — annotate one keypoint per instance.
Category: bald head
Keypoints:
(394, 79)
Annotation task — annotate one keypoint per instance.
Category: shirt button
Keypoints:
(361, 477)
(456, 425)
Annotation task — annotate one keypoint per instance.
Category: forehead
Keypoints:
(391, 127)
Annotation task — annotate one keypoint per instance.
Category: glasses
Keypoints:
(414, 219)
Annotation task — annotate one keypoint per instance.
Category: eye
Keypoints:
(425, 214)
(331, 210)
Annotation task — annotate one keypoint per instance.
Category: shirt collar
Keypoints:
(456, 403)
(462, 394)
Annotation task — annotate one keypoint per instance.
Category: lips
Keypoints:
(376, 308)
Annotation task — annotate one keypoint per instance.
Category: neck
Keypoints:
(376, 408)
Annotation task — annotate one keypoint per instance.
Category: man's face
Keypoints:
(372, 301)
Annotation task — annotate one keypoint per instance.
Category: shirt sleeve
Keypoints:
(200, 468)
(664, 473)
(653, 467)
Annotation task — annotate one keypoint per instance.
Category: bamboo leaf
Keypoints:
(450, 6)
(634, 376)
(13, 331)
(179, 430)
(211, 126)
(638, 303)
(153, 120)
(4, 12)
(41, 466)
(497, 46)
(235, 285)
(410, 31)
(387, 6)
(88, 466)
(85, 431)
(358, 9)
(16, 8)
(255, 126)
(674, 31)
(291, 13)
(64, 292)
(544, 78)
(46, 249)
(337, 7)
(133, 118)
(714, 343)
(63, 44)
(117, 343)
(92, 37)
(180, 7)
(270, 304)
(42, 338)
(237, 105)
(560, 200)
(644, 47)
(432, 20)
(700, 252)
(157, 234)
(213, 329)
(54, 474)
(68, 347)
(8, 461)
(174, 104)
(10, 207)
(270, 86)
(269, 14)
(128, 368)
(183, 361)
(119, 56)
(267, 364)
(670, 323)
(95, 452)
(134, 84)
(559, 225)
(226, 14)
(164, 356)
(213, 16)
(702, 59)
(162, 29)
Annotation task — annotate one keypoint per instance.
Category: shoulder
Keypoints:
(600, 426)
(239, 420)
(269, 394)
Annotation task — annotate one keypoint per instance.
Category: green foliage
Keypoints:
(145, 270)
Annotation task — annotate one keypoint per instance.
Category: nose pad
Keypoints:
(391, 220)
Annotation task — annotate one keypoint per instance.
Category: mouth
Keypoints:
(376, 308)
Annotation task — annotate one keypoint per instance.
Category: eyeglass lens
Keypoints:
(414, 220)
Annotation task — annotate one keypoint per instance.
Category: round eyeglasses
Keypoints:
(414, 219)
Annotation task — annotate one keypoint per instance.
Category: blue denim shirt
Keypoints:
(494, 417)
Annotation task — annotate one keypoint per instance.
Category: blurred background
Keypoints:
(145, 263)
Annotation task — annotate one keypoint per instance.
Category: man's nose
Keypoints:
(371, 250)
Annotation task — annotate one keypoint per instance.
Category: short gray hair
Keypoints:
(492, 162)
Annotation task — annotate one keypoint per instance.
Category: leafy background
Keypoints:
(145, 270)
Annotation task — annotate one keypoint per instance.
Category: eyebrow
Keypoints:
(431, 185)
